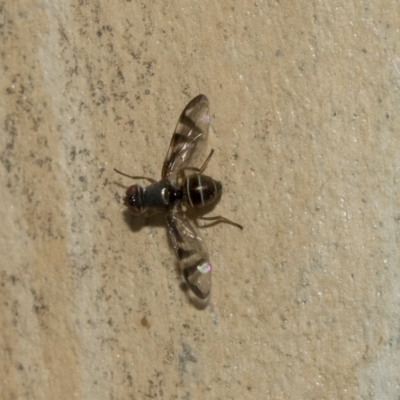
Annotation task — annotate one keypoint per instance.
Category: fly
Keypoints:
(183, 185)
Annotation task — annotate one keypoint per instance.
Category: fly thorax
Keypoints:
(172, 194)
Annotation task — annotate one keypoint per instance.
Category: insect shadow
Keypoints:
(138, 222)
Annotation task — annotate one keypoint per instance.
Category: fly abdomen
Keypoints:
(201, 190)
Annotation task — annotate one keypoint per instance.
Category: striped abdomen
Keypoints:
(201, 190)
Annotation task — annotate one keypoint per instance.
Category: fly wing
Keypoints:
(189, 138)
(192, 253)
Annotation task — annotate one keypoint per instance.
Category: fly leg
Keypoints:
(217, 219)
(203, 167)
(151, 180)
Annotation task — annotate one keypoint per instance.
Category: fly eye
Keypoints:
(134, 200)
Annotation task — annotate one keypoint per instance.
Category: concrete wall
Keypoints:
(305, 112)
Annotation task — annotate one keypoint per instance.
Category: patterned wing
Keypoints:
(192, 253)
(189, 138)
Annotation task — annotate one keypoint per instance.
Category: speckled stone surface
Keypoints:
(305, 112)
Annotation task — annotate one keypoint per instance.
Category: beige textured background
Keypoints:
(305, 107)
